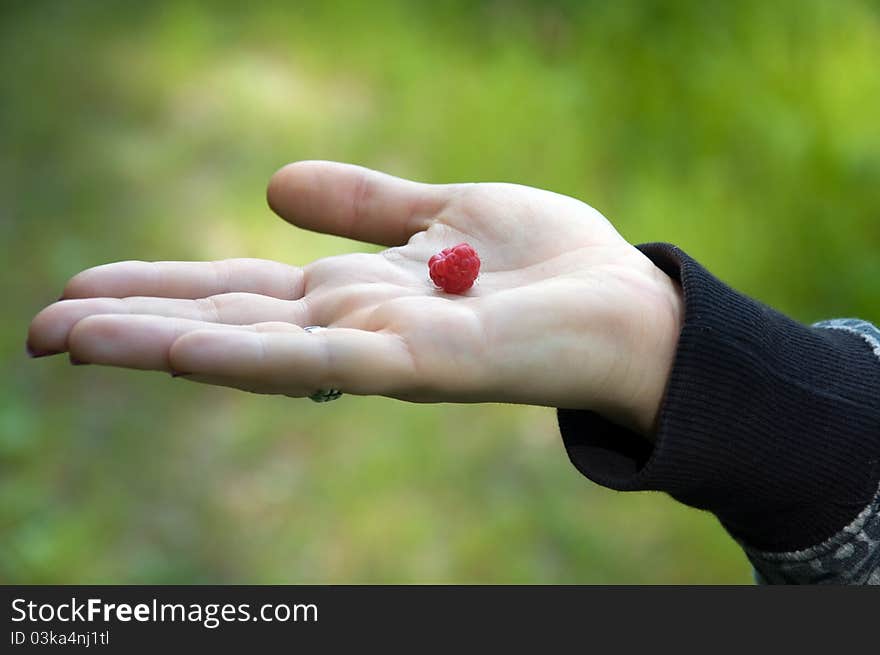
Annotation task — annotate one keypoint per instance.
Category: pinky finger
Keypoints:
(296, 363)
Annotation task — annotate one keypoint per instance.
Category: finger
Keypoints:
(49, 329)
(353, 361)
(142, 342)
(355, 202)
(187, 279)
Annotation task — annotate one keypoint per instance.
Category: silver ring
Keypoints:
(322, 395)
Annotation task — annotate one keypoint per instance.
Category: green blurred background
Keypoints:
(745, 132)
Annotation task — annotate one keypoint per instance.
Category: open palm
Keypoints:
(565, 312)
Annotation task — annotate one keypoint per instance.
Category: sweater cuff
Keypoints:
(771, 425)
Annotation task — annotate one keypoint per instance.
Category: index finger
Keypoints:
(187, 279)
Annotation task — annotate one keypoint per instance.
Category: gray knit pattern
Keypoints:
(852, 556)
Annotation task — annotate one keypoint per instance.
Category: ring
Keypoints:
(322, 395)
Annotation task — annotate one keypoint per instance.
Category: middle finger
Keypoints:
(50, 328)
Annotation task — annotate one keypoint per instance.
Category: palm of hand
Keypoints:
(562, 307)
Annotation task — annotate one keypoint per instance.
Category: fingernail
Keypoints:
(76, 362)
(36, 352)
(175, 374)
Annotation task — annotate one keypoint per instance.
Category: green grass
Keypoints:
(745, 132)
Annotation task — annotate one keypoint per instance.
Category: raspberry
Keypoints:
(455, 269)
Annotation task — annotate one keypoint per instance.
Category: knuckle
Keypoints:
(209, 308)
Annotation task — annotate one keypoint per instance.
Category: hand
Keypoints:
(565, 313)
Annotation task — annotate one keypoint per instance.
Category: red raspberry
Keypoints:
(455, 269)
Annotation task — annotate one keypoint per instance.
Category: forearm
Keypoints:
(771, 425)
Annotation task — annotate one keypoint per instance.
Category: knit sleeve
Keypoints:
(772, 425)
(852, 555)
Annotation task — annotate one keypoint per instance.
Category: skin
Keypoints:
(565, 313)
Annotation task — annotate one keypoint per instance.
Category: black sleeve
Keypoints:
(771, 425)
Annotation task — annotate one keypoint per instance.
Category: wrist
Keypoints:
(767, 423)
(657, 321)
